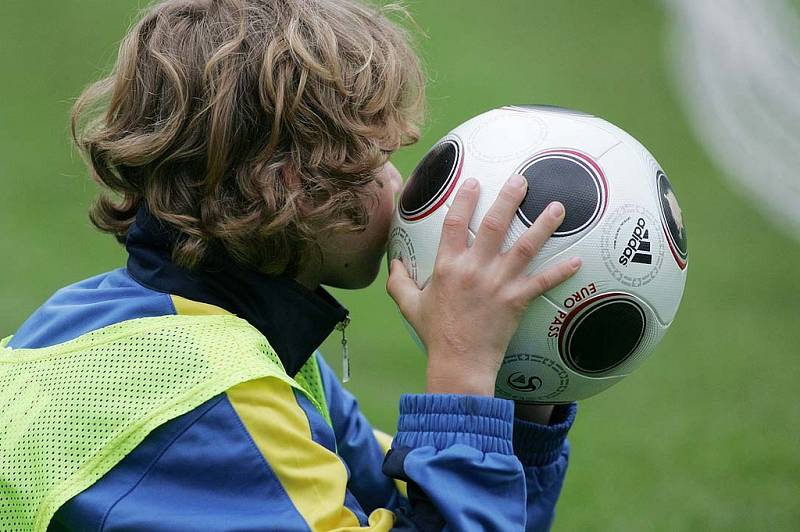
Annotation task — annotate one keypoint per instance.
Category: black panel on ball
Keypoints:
(565, 179)
(605, 336)
(673, 217)
(430, 178)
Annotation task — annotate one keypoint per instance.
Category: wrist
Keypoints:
(456, 379)
(537, 444)
(540, 414)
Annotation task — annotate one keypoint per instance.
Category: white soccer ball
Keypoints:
(622, 219)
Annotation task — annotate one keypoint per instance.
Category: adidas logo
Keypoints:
(638, 247)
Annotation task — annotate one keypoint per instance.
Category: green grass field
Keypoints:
(705, 436)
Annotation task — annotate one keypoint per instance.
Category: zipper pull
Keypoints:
(345, 353)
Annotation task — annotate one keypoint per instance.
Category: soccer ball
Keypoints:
(622, 219)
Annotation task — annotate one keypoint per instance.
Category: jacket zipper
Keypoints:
(341, 326)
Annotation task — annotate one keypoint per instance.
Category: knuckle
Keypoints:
(454, 221)
(519, 305)
(470, 275)
(509, 194)
(543, 283)
(516, 301)
(493, 285)
(526, 249)
(391, 284)
(442, 268)
(492, 223)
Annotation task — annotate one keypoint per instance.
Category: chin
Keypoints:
(351, 284)
(355, 279)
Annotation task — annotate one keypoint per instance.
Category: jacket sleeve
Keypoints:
(543, 451)
(468, 463)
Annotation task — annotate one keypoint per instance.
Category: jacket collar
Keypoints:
(294, 319)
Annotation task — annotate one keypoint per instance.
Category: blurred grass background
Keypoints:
(705, 436)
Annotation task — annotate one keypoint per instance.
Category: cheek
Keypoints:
(374, 238)
(385, 213)
(376, 234)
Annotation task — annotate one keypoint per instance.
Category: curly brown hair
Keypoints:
(250, 126)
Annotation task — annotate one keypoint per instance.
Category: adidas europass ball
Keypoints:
(622, 218)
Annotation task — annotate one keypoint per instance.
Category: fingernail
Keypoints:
(517, 180)
(575, 262)
(471, 183)
(556, 209)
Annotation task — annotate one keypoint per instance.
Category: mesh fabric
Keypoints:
(310, 380)
(70, 412)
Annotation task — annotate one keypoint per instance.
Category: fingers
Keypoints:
(549, 278)
(401, 287)
(531, 241)
(454, 230)
(495, 224)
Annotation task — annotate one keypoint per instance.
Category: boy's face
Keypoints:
(353, 260)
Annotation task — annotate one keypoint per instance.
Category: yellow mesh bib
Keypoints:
(71, 412)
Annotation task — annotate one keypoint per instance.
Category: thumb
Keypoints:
(401, 287)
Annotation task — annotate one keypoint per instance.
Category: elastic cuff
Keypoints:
(485, 423)
(538, 445)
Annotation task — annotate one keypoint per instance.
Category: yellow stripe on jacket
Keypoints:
(314, 477)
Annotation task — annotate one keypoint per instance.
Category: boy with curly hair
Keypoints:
(244, 147)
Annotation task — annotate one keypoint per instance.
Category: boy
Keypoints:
(245, 146)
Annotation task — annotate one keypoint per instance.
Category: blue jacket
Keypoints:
(261, 457)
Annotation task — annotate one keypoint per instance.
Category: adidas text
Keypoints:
(638, 247)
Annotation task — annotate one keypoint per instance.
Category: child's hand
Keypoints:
(471, 307)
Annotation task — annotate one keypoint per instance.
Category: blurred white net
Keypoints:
(737, 63)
